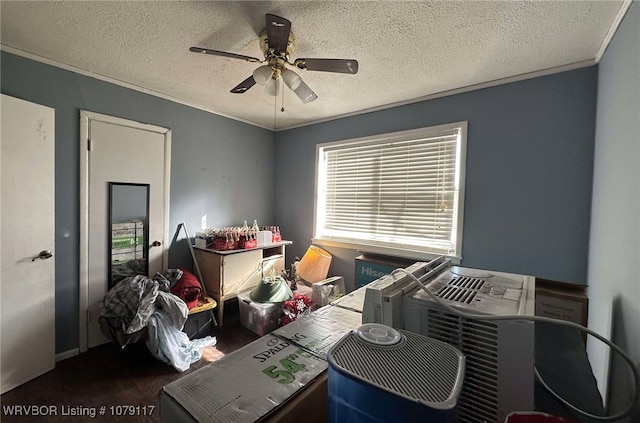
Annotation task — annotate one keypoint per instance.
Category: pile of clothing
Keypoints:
(141, 308)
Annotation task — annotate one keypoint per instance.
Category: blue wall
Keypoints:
(614, 254)
(528, 182)
(209, 172)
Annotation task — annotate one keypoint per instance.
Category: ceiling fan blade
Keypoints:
(244, 86)
(278, 30)
(224, 54)
(305, 93)
(328, 65)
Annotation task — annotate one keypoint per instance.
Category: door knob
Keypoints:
(44, 254)
(156, 243)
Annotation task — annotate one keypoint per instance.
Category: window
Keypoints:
(400, 191)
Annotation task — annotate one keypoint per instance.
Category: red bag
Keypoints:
(187, 288)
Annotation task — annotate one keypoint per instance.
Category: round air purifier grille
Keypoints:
(378, 334)
(407, 365)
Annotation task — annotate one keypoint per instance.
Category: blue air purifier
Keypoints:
(380, 374)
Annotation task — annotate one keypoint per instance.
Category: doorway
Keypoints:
(27, 270)
(122, 153)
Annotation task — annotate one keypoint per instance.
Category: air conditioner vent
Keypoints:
(461, 289)
(469, 283)
(478, 341)
(454, 293)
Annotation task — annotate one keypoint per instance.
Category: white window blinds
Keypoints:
(400, 191)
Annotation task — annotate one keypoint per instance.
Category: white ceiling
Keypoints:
(406, 51)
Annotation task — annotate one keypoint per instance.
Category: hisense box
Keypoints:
(370, 267)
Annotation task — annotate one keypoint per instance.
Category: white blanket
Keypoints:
(139, 302)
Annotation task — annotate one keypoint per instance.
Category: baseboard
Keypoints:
(67, 354)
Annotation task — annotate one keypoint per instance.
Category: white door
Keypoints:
(27, 283)
(121, 151)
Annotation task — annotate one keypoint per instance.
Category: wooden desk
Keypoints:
(226, 273)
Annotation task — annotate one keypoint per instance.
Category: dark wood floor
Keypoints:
(106, 376)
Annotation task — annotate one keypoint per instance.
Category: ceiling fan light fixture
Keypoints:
(291, 78)
(273, 87)
(263, 74)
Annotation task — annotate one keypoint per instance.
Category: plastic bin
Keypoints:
(201, 319)
(260, 318)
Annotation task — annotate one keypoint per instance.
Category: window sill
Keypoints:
(387, 251)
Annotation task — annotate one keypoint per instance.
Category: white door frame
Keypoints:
(85, 124)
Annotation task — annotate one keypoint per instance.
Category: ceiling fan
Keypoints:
(277, 43)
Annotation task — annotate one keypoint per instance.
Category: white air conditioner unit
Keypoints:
(499, 376)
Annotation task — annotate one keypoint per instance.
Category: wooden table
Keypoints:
(226, 273)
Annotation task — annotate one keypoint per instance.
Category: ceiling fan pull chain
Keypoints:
(282, 108)
(275, 106)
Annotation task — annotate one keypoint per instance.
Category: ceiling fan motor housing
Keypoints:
(264, 46)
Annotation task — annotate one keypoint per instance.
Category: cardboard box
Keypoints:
(562, 301)
(127, 225)
(314, 397)
(243, 386)
(319, 331)
(352, 301)
(203, 240)
(327, 290)
(264, 238)
(119, 258)
(370, 267)
(124, 250)
(303, 289)
(127, 239)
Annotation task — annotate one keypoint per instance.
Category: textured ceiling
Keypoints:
(406, 50)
